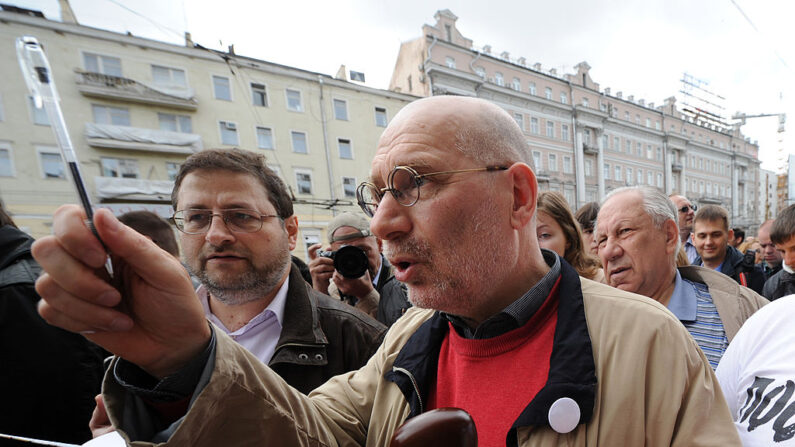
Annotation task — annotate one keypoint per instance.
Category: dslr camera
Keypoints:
(349, 260)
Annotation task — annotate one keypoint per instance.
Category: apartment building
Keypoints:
(136, 108)
(587, 140)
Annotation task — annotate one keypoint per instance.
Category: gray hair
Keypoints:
(656, 204)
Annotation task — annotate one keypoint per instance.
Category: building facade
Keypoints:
(136, 108)
(586, 140)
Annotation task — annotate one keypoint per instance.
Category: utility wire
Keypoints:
(750, 22)
(161, 27)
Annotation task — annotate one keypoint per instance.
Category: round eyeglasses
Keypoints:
(404, 184)
(239, 220)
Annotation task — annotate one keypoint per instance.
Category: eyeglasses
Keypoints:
(404, 184)
(687, 208)
(236, 219)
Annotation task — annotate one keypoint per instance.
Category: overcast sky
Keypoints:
(742, 48)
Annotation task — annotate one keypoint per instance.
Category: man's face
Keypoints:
(235, 267)
(711, 239)
(636, 256)
(369, 244)
(788, 251)
(770, 254)
(685, 218)
(453, 245)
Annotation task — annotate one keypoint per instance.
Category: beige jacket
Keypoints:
(654, 388)
(734, 302)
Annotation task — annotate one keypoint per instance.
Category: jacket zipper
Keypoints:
(413, 382)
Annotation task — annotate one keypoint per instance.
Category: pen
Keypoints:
(38, 77)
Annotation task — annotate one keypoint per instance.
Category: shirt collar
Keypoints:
(275, 308)
(683, 302)
(520, 311)
(378, 273)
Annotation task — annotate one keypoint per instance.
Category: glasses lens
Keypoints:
(368, 197)
(247, 221)
(193, 221)
(404, 186)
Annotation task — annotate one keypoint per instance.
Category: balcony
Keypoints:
(741, 179)
(676, 167)
(134, 189)
(542, 175)
(98, 85)
(108, 136)
(590, 149)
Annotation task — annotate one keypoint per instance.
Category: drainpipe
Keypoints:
(326, 148)
(424, 66)
(579, 156)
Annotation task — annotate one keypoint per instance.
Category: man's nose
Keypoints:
(219, 233)
(391, 219)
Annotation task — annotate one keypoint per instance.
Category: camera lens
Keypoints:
(350, 261)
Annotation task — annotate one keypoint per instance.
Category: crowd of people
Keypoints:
(471, 289)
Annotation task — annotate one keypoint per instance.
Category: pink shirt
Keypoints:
(260, 335)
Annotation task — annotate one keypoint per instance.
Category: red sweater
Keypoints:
(494, 379)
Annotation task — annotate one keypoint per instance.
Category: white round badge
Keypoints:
(564, 415)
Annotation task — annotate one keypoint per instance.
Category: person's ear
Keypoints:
(291, 227)
(524, 194)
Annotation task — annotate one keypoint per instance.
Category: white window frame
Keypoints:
(264, 89)
(170, 75)
(52, 150)
(537, 160)
(109, 115)
(449, 62)
(100, 62)
(588, 167)
(606, 171)
(228, 127)
(334, 102)
(499, 79)
(531, 88)
(564, 98)
(516, 84)
(659, 180)
(567, 165)
(552, 162)
(534, 126)
(355, 185)
(339, 148)
(306, 141)
(273, 138)
(119, 161)
(6, 146)
(375, 116)
(548, 93)
(215, 91)
(296, 172)
(629, 175)
(564, 132)
(300, 99)
(617, 171)
(519, 118)
(550, 129)
(179, 121)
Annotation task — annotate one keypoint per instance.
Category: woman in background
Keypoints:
(558, 231)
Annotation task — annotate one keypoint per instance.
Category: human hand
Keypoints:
(358, 287)
(100, 422)
(149, 316)
(320, 268)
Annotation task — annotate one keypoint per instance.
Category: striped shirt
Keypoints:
(692, 304)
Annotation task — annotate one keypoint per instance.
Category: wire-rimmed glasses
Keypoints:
(239, 220)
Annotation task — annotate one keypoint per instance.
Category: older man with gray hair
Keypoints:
(638, 239)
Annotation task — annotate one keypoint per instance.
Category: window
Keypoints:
(175, 123)
(480, 71)
(532, 88)
(534, 125)
(519, 118)
(51, 164)
(340, 110)
(96, 63)
(228, 133)
(637, 120)
(648, 122)
(38, 114)
(586, 136)
(588, 167)
(111, 115)
(259, 95)
(564, 132)
(602, 106)
(649, 178)
(294, 100)
(264, 138)
(626, 116)
(516, 84)
(299, 142)
(649, 152)
(119, 167)
(659, 180)
(168, 76)
(629, 175)
(172, 169)
(221, 88)
(585, 102)
(659, 154)
(349, 187)
(346, 151)
(640, 176)
(498, 79)
(548, 93)
(550, 129)
(567, 165)
(618, 173)
(537, 160)
(617, 144)
(628, 146)
(657, 126)
(564, 98)
(380, 117)
(449, 61)
(606, 171)
(552, 162)
(6, 164)
(303, 182)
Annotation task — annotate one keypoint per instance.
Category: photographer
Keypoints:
(376, 291)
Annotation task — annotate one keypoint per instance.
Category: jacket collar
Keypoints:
(13, 244)
(572, 372)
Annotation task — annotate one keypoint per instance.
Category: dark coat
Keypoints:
(778, 285)
(48, 376)
(321, 337)
(393, 301)
(745, 273)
